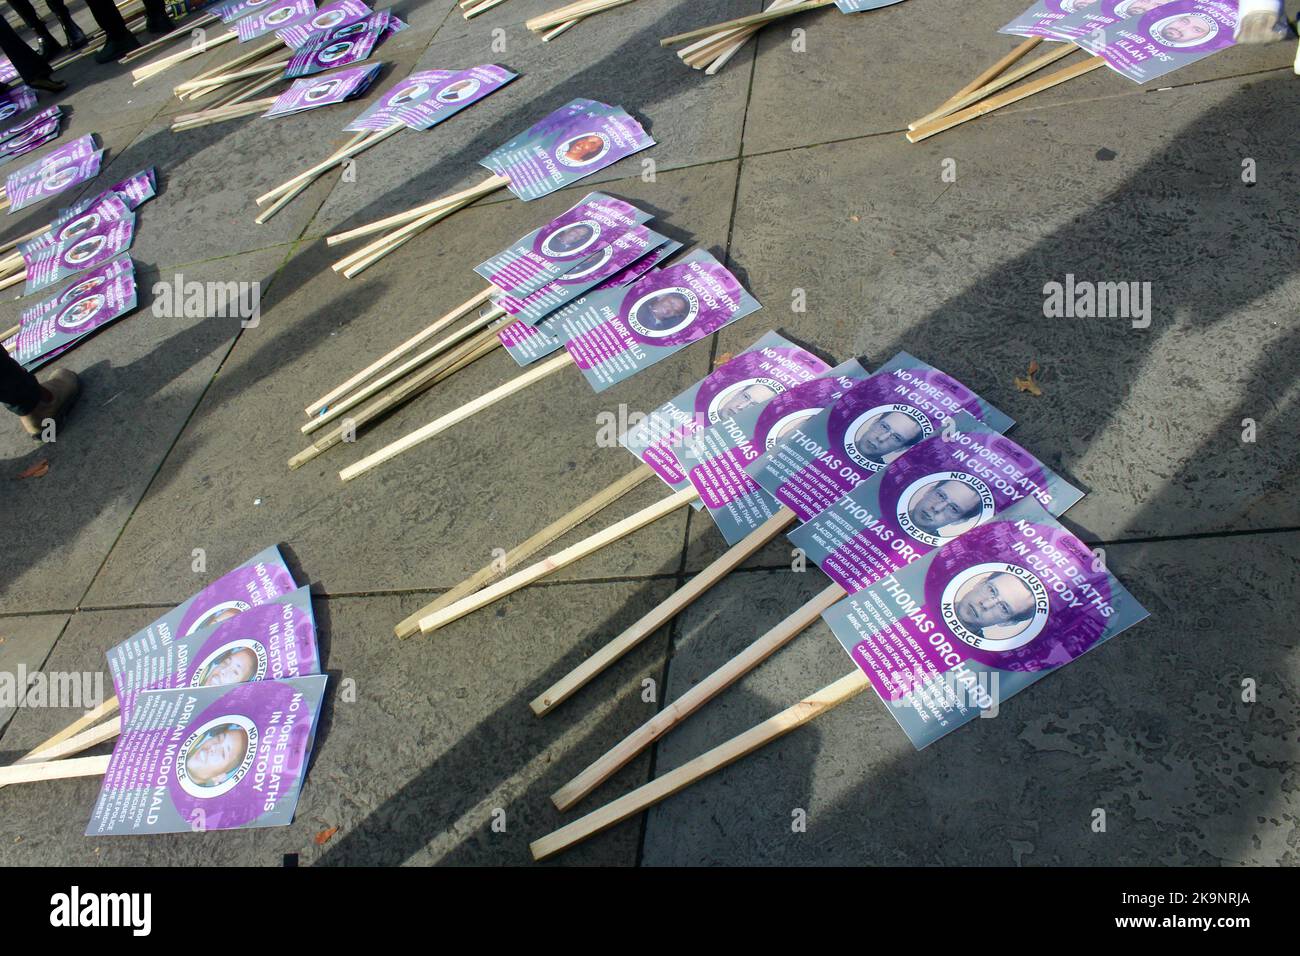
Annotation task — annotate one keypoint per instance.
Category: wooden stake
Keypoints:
(679, 601)
(572, 11)
(1005, 99)
(566, 25)
(561, 559)
(468, 410)
(54, 770)
(292, 194)
(483, 7)
(183, 31)
(475, 349)
(754, 18)
(410, 625)
(695, 698)
(332, 161)
(14, 243)
(77, 743)
(152, 69)
(491, 184)
(13, 279)
(469, 305)
(361, 260)
(1021, 50)
(442, 345)
(846, 688)
(106, 709)
(1001, 82)
(222, 78)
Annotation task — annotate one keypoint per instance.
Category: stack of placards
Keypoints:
(219, 700)
(31, 134)
(92, 235)
(68, 166)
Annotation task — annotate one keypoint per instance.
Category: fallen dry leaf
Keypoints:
(324, 835)
(723, 359)
(1027, 384)
(36, 470)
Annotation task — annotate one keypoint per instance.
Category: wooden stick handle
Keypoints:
(829, 697)
(695, 698)
(679, 601)
(147, 48)
(289, 196)
(491, 184)
(358, 262)
(754, 18)
(77, 743)
(395, 374)
(473, 350)
(54, 770)
(410, 625)
(468, 410)
(997, 69)
(469, 305)
(571, 13)
(1005, 99)
(334, 160)
(561, 559)
(983, 92)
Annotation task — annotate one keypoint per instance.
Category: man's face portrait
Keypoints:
(236, 667)
(944, 503)
(747, 397)
(1139, 7)
(1185, 30)
(218, 754)
(664, 312)
(886, 434)
(569, 238)
(998, 599)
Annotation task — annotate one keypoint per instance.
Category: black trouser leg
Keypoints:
(29, 66)
(109, 18)
(18, 387)
(30, 17)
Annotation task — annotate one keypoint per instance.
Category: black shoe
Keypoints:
(47, 83)
(76, 39)
(160, 24)
(47, 47)
(116, 48)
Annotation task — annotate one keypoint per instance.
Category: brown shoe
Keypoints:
(59, 393)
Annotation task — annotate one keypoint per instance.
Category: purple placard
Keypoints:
(621, 331)
(576, 147)
(53, 177)
(1162, 40)
(54, 326)
(279, 17)
(563, 245)
(34, 138)
(1091, 18)
(326, 20)
(89, 241)
(231, 12)
(629, 248)
(1041, 19)
(210, 758)
(967, 626)
(274, 641)
(825, 457)
(133, 191)
(656, 435)
(326, 90)
(423, 99)
(527, 343)
(15, 102)
(44, 116)
(332, 50)
(944, 487)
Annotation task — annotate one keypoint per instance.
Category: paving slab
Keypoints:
(1148, 421)
(142, 378)
(692, 122)
(429, 517)
(1151, 728)
(799, 98)
(25, 642)
(423, 745)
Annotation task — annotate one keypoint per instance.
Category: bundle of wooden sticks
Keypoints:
(981, 96)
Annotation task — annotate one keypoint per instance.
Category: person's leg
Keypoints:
(157, 21)
(1261, 21)
(32, 401)
(34, 71)
(47, 46)
(119, 40)
(76, 39)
